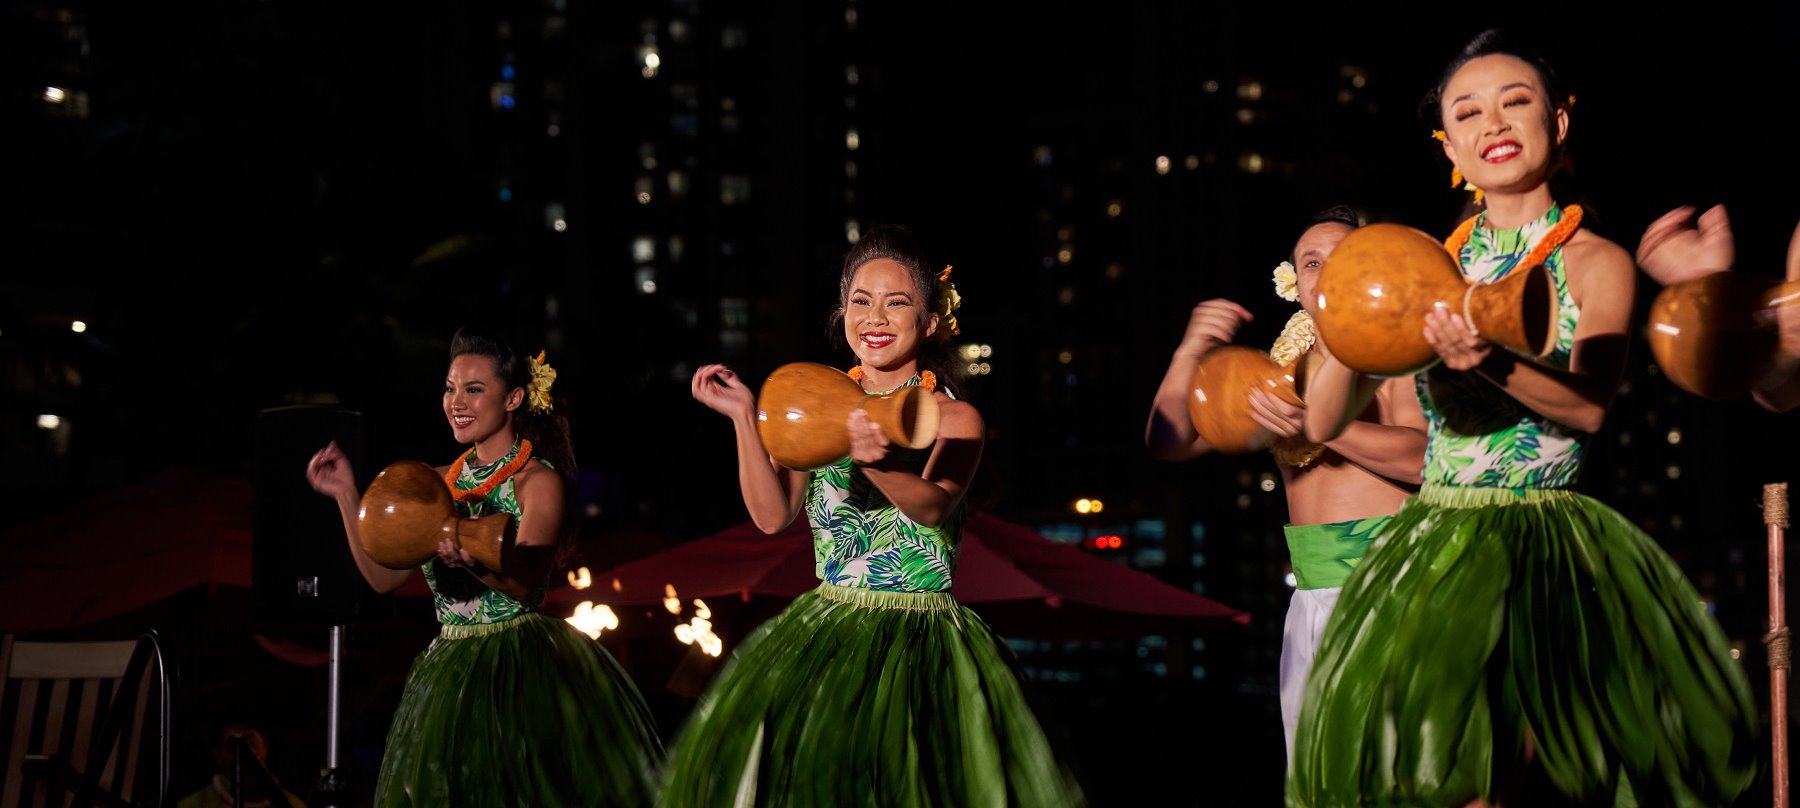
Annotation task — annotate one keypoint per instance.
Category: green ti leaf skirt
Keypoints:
(528, 711)
(1529, 646)
(856, 697)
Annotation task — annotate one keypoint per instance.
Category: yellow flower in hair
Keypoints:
(1441, 135)
(1287, 283)
(948, 301)
(542, 377)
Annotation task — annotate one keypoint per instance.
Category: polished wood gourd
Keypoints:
(1716, 336)
(1220, 403)
(804, 410)
(407, 511)
(1381, 281)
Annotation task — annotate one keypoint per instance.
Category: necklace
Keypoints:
(927, 380)
(1552, 239)
(522, 454)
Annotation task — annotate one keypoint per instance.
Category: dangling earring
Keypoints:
(1456, 175)
(1457, 181)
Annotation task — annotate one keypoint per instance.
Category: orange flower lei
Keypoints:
(1558, 235)
(480, 492)
(927, 380)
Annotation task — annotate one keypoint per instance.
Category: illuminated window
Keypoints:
(734, 312)
(734, 188)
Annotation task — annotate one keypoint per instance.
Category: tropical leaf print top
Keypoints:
(461, 598)
(861, 539)
(1479, 435)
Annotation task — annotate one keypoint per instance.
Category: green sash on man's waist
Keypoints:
(1324, 555)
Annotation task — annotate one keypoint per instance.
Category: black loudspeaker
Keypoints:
(301, 563)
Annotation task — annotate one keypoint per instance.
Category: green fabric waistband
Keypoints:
(1324, 555)
(883, 599)
(1468, 496)
(463, 632)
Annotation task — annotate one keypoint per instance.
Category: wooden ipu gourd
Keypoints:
(1219, 404)
(803, 415)
(1380, 282)
(1716, 336)
(407, 511)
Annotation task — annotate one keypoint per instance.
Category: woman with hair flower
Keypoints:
(1506, 639)
(877, 687)
(507, 706)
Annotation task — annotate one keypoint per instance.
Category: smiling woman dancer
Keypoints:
(508, 706)
(876, 688)
(1506, 639)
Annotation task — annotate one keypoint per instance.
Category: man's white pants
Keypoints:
(1307, 612)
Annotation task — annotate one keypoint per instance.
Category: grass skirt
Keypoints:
(1484, 616)
(524, 712)
(855, 697)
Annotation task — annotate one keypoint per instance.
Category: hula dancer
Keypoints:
(1339, 493)
(1508, 639)
(508, 706)
(876, 688)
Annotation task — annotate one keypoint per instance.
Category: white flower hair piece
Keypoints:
(1287, 282)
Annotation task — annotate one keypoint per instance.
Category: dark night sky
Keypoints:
(241, 212)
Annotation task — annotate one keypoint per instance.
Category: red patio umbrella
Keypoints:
(1021, 582)
(126, 549)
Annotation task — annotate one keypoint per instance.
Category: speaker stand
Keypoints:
(334, 785)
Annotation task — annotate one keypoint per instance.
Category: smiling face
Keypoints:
(476, 401)
(1502, 129)
(885, 316)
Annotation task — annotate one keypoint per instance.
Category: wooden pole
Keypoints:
(1775, 516)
